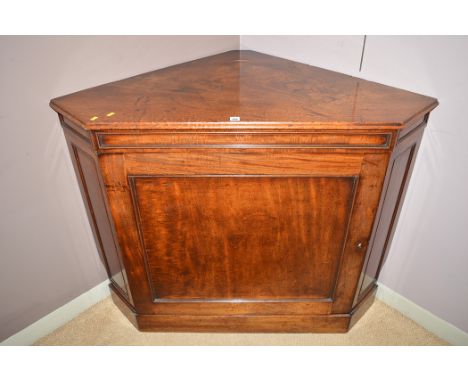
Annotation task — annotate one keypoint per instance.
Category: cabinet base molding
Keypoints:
(363, 305)
(278, 323)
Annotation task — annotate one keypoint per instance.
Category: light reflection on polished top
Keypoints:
(260, 89)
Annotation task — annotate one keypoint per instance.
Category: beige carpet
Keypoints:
(104, 324)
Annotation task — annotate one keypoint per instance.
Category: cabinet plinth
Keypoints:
(277, 220)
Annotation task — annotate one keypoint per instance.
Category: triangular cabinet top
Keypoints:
(242, 88)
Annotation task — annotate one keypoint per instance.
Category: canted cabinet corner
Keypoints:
(276, 221)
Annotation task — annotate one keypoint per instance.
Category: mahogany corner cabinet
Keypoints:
(243, 192)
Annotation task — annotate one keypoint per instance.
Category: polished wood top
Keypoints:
(259, 89)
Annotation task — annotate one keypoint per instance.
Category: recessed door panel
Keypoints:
(220, 237)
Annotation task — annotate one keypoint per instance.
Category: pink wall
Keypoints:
(48, 255)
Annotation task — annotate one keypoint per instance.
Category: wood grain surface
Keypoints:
(259, 89)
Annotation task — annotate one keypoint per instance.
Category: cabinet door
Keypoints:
(264, 231)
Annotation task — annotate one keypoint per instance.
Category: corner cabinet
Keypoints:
(243, 192)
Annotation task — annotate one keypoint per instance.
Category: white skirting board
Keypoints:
(421, 316)
(67, 312)
(59, 317)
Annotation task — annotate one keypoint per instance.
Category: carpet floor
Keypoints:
(104, 324)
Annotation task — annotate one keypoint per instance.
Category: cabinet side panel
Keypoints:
(399, 172)
(87, 172)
